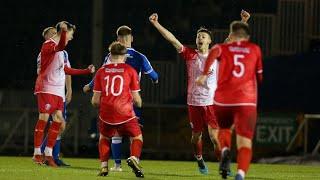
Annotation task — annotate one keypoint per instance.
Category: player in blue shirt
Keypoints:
(142, 65)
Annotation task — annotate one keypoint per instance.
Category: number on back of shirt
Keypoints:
(111, 85)
(238, 63)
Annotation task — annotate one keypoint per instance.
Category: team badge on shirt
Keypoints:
(47, 106)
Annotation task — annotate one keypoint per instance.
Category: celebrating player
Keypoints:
(116, 88)
(141, 64)
(199, 99)
(240, 67)
(50, 89)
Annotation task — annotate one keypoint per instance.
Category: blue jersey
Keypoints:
(138, 61)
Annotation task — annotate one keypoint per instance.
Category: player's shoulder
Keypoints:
(135, 53)
(48, 42)
(254, 46)
(127, 67)
(186, 48)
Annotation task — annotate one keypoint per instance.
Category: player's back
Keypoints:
(117, 81)
(239, 64)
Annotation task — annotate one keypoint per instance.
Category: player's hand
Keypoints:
(153, 18)
(201, 80)
(245, 16)
(68, 96)
(63, 26)
(91, 68)
(86, 88)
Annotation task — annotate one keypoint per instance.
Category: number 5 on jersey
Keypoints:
(113, 83)
(237, 62)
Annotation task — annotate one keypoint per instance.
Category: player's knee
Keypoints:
(139, 137)
(243, 141)
(213, 133)
(62, 127)
(196, 137)
(101, 136)
(58, 117)
(44, 116)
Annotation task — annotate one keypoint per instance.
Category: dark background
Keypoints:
(291, 69)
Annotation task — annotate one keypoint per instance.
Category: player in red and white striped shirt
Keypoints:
(199, 99)
(50, 89)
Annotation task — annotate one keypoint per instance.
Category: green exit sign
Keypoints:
(275, 129)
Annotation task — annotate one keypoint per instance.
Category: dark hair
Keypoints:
(205, 30)
(46, 30)
(116, 48)
(240, 29)
(124, 31)
(69, 26)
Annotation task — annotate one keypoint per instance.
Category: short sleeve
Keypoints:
(134, 83)
(97, 82)
(187, 53)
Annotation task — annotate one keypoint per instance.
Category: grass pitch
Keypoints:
(23, 168)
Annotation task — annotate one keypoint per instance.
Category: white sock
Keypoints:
(135, 158)
(223, 149)
(116, 140)
(48, 151)
(58, 137)
(104, 164)
(37, 151)
(241, 172)
(198, 157)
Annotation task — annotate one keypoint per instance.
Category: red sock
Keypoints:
(104, 149)
(244, 158)
(53, 133)
(224, 136)
(197, 148)
(136, 147)
(38, 132)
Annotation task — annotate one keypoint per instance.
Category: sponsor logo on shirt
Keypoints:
(239, 49)
(113, 70)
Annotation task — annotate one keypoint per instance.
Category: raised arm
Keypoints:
(164, 32)
(245, 16)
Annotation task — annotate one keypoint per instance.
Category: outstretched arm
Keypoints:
(72, 71)
(164, 32)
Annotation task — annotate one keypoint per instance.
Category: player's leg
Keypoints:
(212, 124)
(53, 131)
(106, 132)
(45, 109)
(57, 147)
(224, 117)
(132, 129)
(104, 153)
(245, 122)
(116, 152)
(196, 118)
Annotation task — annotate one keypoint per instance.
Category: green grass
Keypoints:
(23, 168)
